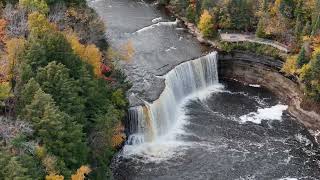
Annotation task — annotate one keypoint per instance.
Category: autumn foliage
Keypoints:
(54, 177)
(89, 53)
(81, 172)
(206, 25)
(52, 78)
(118, 136)
(3, 24)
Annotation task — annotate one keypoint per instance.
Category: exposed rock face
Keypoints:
(265, 71)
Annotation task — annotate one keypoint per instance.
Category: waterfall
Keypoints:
(155, 120)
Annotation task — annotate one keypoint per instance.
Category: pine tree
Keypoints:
(260, 29)
(56, 130)
(15, 170)
(307, 29)
(27, 94)
(298, 26)
(52, 47)
(316, 19)
(55, 80)
(302, 59)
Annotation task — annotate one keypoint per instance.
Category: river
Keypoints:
(193, 126)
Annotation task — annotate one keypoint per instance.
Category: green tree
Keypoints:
(52, 47)
(55, 80)
(316, 18)
(60, 134)
(307, 29)
(38, 25)
(302, 59)
(27, 94)
(260, 29)
(103, 131)
(191, 14)
(311, 79)
(35, 5)
(298, 26)
(70, 2)
(11, 168)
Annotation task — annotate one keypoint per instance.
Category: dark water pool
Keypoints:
(224, 140)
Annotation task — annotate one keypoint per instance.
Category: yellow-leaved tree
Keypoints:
(118, 135)
(290, 66)
(5, 90)
(206, 25)
(54, 177)
(89, 53)
(3, 24)
(127, 51)
(79, 175)
(81, 172)
(39, 25)
(14, 48)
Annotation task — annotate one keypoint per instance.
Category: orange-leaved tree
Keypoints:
(81, 172)
(3, 24)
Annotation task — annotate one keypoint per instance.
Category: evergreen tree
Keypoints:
(307, 29)
(27, 94)
(11, 168)
(260, 29)
(298, 26)
(191, 14)
(311, 79)
(56, 81)
(52, 46)
(302, 59)
(316, 19)
(56, 130)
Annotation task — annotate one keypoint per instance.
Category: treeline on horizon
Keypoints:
(295, 23)
(62, 98)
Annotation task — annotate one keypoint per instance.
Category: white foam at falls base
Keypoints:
(171, 48)
(272, 113)
(166, 146)
(255, 85)
(174, 23)
(303, 139)
(288, 178)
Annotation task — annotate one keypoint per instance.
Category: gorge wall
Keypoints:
(256, 69)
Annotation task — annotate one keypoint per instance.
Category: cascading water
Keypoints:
(160, 119)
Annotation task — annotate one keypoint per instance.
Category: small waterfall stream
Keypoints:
(161, 118)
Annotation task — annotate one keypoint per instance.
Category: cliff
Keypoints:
(256, 69)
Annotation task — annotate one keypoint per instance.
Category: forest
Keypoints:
(62, 96)
(286, 21)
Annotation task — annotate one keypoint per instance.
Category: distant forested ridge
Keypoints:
(62, 97)
(295, 23)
